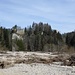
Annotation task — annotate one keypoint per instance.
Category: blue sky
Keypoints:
(60, 14)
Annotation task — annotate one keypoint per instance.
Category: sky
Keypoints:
(60, 14)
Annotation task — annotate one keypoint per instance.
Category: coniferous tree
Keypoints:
(40, 35)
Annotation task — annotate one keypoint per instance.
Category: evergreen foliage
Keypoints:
(20, 44)
(39, 36)
(5, 37)
(70, 39)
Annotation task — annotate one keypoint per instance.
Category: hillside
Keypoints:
(37, 37)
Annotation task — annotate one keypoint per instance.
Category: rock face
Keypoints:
(17, 35)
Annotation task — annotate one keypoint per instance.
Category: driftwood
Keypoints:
(70, 61)
(2, 65)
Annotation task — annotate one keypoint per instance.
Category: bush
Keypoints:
(20, 44)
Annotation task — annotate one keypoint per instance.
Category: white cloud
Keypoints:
(24, 12)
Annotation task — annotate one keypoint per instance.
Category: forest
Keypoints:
(37, 37)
